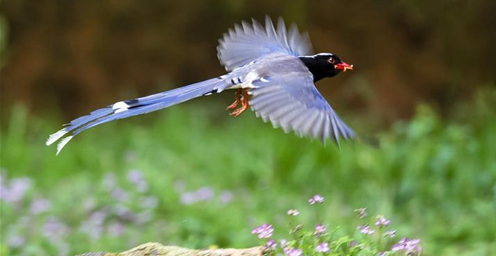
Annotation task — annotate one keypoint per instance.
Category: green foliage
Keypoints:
(187, 177)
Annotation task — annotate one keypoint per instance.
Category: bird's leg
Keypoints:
(244, 104)
(238, 96)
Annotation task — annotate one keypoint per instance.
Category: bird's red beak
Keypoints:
(343, 66)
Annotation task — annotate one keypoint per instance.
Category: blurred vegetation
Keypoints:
(192, 177)
(75, 55)
(187, 177)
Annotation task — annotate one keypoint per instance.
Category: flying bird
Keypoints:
(271, 71)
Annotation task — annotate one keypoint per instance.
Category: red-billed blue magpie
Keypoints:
(272, 72)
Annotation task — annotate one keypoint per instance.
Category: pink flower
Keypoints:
(293, 212)
(323, 247)
(293, 252)
(365, 229)
(316, 199)
(263, 231)
(271, 245)
(410, 247)
(320, 229)
(382, 222)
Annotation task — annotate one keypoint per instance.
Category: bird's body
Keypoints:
(272, 73)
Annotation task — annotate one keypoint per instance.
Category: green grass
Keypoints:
(434, 179)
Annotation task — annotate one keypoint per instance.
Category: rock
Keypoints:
(157, 249)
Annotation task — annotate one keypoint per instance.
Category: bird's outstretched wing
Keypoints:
(128, 108)
(291, 101)
(248, 42)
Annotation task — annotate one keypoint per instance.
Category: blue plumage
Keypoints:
(272, 67)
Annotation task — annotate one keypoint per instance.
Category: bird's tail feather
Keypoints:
(128, 108)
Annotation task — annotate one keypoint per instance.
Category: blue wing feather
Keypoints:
(248, 42)
(289, 99)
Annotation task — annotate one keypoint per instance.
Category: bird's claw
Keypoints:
(240, 98)
(233, 105)
(240, 110)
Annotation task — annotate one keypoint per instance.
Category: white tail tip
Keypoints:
(56, 136)
(62, 143)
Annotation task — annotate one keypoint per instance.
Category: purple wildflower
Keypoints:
(263, 231)
(381, 221)
(16, 241)
(201, 194)
(119, 194)
(323, 247)
(16, 190)
(97, 218)
(205, 193)
(149, 202)
(320, 229)
(410, 247)
(361, 212)
(116, 229)
(40, 205)
(289, 251)
(316, 199)
(365, 229)
(55, 230)
(284, 243)
(93, 226)
(188, 198)
(271, 245)
(123, 212)
(293, 212)
(225, 197)
(136, 177)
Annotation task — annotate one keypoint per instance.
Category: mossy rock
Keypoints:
(157, 249)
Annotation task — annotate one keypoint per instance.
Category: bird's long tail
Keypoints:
(127, 108)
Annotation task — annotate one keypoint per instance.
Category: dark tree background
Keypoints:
(76, 56)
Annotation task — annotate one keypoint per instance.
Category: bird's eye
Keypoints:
(331, 60)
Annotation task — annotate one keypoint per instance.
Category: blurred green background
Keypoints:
(422, 98)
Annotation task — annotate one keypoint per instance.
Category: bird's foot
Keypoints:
(233, 105)
(240, 98)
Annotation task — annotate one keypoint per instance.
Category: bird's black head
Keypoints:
(324, 65)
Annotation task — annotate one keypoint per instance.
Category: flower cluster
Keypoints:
(129, 204)
(365, 229)
(290, 251)
(380, 222)
(409, 246)
(319, 229)
(293, 212)
(263, 231)
(316, 199)
(202, 194)
(323, 247)
(321, 242)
